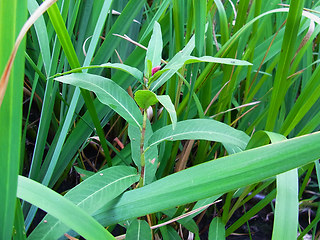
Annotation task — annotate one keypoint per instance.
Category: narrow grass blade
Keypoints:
(154, 49)
(61, 208)
(287, 209)
(166, 102)
(90, 196)
(217, 229)
(19, 231)
(12, 17)
(121, 26)
(200, 11)
(42, 35)
(287, 51)
(285, 223)
(108, 93)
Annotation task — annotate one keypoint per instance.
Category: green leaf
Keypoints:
(165, 100)
(138, 230)
(84, 174)
(136, 73)
(145, 98)
(19, 231)
(61, 208)
(205, 129)
(90, 195)
(228, 61)
(13, 14)
(217, 229)
(213, 178)
(287, 208)
(109, 93)
(285, 225)
(154, 47)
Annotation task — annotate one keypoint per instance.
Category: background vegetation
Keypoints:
(108, 143)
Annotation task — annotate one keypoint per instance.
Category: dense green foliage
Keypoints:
(139, 115)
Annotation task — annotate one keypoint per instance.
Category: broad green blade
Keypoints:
(204, 129)
(138, 230)
(168, 105)
(90, 196)
(212, 178)
(13, 14)
(217, 229)
(61, 208)
(109, 93)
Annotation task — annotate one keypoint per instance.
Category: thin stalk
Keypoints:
(143, 162)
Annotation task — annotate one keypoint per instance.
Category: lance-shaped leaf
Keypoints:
(109, 93)
(167, 104)
(217, 229)
(90, 195)
(228, 61)
(136, 73)
(183, 57)
(205, 129)
(61, 208)
(154, 50)
(139, 230)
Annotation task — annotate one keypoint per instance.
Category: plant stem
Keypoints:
(142, 147)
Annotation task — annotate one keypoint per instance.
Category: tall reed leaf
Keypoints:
(12, 17)
(61, 208)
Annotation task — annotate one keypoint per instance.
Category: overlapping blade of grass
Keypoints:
(121, 26)
(12, 18)
(214, 177)
(286, 210)
(209, 70)
(63, 36)
(42, 35)
(67, 212)
(74, 63)
(287, 50)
